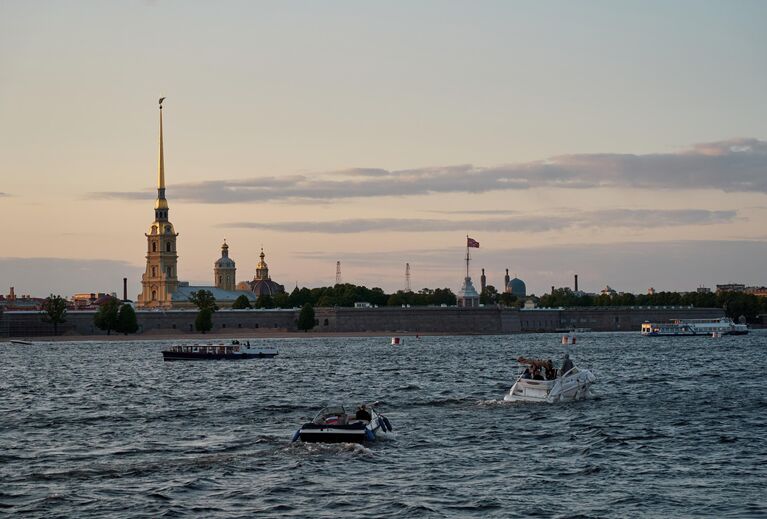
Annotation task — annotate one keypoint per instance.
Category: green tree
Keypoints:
(281, 300)
(204, 299)
(489, 295)
(241, 302)
(306, 318)
(106, 316)
(204, 320)
(206, 302)
(126, 320)
(264, 301)
(507, 299)
(54, 311)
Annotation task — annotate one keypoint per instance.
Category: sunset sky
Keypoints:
(623, 141)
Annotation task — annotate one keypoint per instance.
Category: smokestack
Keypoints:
(12, 295)
(125, 288)
(552, 290)
(576, 282)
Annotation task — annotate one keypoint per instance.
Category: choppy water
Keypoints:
(676, 428)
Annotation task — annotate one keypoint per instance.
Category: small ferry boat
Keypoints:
(237, 350)
(534, 386)
(332, 424)
(694, 327)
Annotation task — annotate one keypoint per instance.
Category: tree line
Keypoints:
(734, 304)
(346, 294)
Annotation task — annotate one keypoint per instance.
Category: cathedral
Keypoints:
(160, 287)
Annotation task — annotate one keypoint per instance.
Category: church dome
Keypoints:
(517, 287)
(224, 261)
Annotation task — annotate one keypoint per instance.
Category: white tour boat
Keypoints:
(694, 327)
(237, 350)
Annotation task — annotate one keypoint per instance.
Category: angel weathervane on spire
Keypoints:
(161, 100)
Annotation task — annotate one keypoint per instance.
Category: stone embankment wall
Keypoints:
(487, 320)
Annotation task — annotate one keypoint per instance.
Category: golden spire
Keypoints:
(161, 183)
(161, 203)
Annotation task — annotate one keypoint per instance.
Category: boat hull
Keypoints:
(355, 432)
(563, 389)
(173, 356)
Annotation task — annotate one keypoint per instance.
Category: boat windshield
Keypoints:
(331, 415)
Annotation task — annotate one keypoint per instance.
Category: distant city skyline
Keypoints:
(626, 143)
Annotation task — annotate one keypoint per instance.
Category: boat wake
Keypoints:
(352, 450)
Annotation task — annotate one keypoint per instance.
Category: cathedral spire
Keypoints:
(161, 206)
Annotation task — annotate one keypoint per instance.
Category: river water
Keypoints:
(674, 428)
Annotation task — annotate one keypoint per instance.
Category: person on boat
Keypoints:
(567, 365)
(537, 373)
(551, 373)
(527, 374)
(362, 413)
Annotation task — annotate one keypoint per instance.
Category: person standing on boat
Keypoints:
(567, 365)
(362, 413)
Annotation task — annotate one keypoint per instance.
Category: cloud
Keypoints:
(3, 194)
(737, 165)
(625, 218)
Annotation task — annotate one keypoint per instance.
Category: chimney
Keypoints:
(125, 288)
(552, 290)
(12, 295)
(576, 282)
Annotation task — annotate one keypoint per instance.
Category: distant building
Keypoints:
(224, 270)
(467, 296)
(651, 291)
(608, 291)
(731, 287)
(23, 302)
(703, 290)
(262, 284)
(517, 287)
(87, 300)
(757, 291)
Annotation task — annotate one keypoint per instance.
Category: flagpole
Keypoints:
(467, 255)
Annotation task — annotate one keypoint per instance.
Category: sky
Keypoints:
(622, 141)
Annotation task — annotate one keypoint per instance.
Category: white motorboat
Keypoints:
(573, 384)
(333, 424)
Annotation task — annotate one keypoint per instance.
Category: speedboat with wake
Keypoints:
(333, 424)
(540, 382)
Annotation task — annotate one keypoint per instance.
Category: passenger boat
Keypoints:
(573, 384)
(694, 327)
(333, 424)
(235, 351)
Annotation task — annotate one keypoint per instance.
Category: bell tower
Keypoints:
(160, 279)
(224, 270)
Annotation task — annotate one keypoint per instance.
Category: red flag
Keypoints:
(470, 242)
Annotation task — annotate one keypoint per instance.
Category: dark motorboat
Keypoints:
(333, 425)
(234, 351)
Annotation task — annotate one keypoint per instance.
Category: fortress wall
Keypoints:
(608, 318)
(486, 320)
(414, 320)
